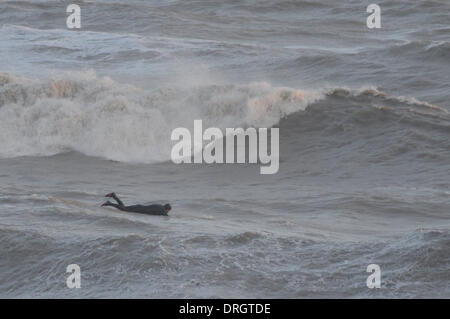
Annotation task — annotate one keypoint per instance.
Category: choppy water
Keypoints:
(364, 148)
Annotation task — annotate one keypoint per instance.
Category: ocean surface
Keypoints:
(364, 120)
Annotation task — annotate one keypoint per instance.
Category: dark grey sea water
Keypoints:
(364, 128)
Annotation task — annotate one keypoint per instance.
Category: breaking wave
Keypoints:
(100, 117)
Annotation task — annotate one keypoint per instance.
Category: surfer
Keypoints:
(155, 209)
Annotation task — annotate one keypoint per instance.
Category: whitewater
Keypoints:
(364, 157)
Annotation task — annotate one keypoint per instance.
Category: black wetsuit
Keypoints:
(154, 209)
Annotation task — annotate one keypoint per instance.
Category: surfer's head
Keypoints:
(167, 208)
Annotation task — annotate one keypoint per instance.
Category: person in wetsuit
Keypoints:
(155, 209)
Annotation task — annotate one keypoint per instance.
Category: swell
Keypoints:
(430, 50)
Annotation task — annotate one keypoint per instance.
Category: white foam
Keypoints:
(100, 117)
